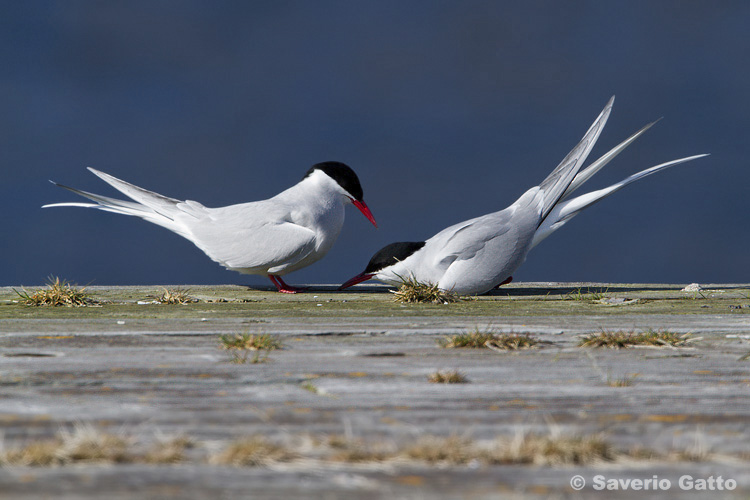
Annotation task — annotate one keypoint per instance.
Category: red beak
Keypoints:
(362, 206)
(357, 279)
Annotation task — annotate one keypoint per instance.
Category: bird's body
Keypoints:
(471, 256)
(271, 237)
(477, 255)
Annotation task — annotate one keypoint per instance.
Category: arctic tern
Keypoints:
(477, 255)
(273, 237)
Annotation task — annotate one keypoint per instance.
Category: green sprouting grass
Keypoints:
(447, 377)
(589, 295)
(651, 338)
(240, 345)
(497, 341)
(310, 387)
(625, 381)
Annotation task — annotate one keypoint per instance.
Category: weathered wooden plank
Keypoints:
(358, 365)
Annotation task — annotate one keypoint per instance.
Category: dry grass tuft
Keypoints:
(253, 451)
(648, 338)
(89, 444)
(496, 341)
(242, 344)
(521, 449)
(476, 340)
(342, 449)
(448, 377)
(84, 444)
(168, 451)
(58, 293)
(550, 450)
(412, 291)
(174, 296)
(451, 450)
(37, 453)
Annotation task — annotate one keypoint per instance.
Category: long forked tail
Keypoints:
(566, 210)
(610, 155)
(147, 205)
(557, 183)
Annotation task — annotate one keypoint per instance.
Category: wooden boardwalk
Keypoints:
(353, 372)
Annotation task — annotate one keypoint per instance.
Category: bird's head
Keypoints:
(348, 183)
(385, 258)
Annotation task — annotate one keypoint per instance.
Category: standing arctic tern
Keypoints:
(273, 237)
(477, 255)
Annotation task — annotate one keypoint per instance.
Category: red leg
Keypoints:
(294, 289)
(281, 286)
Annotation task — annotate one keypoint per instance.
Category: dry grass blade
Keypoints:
(58, 293)
(648, 338)
(447, 377)
(412, 291)
(495, 341)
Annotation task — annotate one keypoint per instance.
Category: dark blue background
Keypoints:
(446, 110)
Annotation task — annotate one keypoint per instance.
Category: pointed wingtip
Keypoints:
(694, 157)
(648, 126)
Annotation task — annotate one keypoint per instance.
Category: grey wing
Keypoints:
(480, 253)
(485, 250)
(463, 241)
(242, 243)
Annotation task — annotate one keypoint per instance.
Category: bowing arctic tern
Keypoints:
(477, 255)
(273, 237)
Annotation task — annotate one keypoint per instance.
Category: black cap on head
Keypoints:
(342, 174)
(390, 254)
